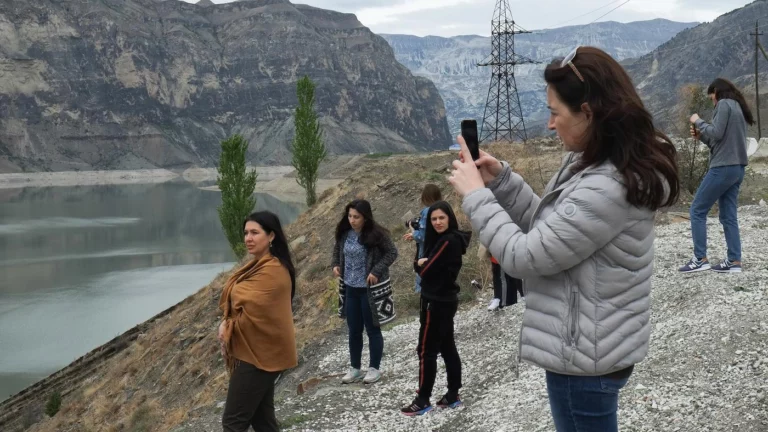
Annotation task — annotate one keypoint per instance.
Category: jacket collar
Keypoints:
(566, 176)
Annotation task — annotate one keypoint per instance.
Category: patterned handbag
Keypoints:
(382, 301)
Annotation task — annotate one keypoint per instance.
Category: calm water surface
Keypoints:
(80, 265)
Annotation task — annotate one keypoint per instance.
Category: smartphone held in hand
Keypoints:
(469, 133)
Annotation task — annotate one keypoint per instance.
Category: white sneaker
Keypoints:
(353, 376)
(494, 304)
(372, 376)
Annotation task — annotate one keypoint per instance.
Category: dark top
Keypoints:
(439, 273)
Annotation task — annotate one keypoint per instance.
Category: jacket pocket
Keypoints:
(573, 316)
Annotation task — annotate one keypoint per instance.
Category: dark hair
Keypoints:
(270, 223)
(724, 89)
(430, 194)
(372, 234)
(621, 130)
(431, 236)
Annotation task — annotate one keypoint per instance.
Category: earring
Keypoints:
(270, 245)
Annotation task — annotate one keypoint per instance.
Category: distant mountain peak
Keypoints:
(720, 48)
(452, 62)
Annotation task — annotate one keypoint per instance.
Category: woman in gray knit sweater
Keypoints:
(726, 138)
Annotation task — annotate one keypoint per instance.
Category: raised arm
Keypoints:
(584, 222)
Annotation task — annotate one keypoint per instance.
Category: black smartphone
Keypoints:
(469, 133)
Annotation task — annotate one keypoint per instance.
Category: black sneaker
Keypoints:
(727, 267)
(449, 401)
(416, 408)
(694, 265)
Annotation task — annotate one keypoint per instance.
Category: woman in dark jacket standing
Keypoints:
(361, 258)
(726, 138)
(444, 245)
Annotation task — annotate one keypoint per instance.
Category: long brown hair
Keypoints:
(724, 89)
(621, 130)
(372, 234)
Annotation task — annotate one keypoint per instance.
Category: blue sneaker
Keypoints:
(449, 401)
(727, 267)
(695, 265)
(416, 408)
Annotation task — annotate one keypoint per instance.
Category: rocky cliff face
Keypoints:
(722, 48)
(121, 84)
(452, 62)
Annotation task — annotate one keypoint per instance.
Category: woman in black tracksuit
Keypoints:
(444, 244)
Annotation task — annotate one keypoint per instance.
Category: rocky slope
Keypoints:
(451, 62)
(128, 84)
(721, 48)
(705, 370)
(166, 373)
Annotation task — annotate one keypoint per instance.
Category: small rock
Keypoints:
(294, 244)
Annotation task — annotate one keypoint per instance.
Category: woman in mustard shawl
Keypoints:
(257, 334)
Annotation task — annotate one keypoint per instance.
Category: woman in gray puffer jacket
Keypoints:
(585, 248)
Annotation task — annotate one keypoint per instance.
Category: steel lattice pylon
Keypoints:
(503, 117)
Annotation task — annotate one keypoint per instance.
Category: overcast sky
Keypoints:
(461, 17)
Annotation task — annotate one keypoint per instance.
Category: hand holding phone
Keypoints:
(469, 133)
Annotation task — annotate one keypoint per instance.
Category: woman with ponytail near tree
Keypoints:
(257, 336)
(726, 138)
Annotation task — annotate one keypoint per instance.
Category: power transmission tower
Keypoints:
(757, 34)
(503, 117)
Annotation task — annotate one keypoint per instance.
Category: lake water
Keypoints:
(81, 265)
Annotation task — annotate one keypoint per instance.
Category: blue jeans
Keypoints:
(358, 315)
(721, 185)
(417, 287)
(584, 403)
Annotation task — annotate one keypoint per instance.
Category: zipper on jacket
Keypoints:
(555, 187)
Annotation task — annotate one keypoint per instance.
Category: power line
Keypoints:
(585, 14)
(757, 35)
(608, 12)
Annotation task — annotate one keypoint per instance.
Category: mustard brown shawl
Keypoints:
(259, 330)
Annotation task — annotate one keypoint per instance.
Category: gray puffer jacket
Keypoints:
(586, 257)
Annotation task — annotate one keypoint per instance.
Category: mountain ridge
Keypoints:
(134, 84)
(721, 48)
(451, 62)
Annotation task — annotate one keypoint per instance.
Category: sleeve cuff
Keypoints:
(503, 174)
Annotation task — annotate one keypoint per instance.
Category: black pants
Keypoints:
(505, 287)
(436, 337)
(250, 400)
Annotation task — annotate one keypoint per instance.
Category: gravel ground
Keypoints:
(706, 370)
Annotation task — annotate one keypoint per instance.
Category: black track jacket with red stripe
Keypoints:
(439, 273)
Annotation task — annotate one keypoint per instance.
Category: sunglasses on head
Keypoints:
(568, 60)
